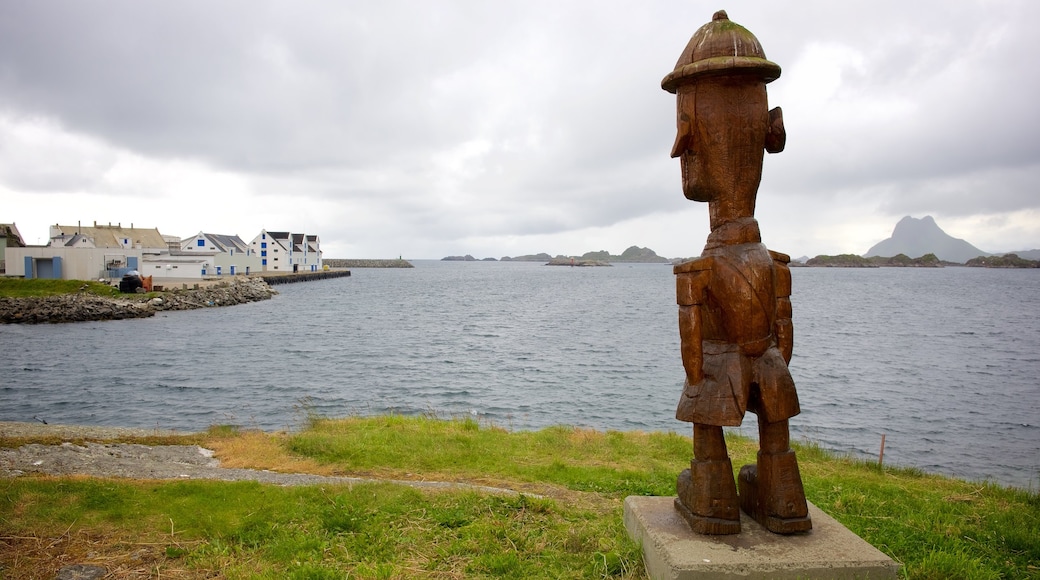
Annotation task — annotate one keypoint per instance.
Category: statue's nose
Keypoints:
(682, 140)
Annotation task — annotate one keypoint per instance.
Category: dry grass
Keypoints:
(259, 450)
(123, 555)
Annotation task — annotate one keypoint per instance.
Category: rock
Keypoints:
(81, 572)
(87, 307)
(564, 261)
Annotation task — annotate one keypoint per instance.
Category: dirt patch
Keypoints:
(94, 455)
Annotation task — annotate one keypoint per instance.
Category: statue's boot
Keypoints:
(708, 497)
(772, 493)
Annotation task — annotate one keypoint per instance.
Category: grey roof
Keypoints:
(225, 243)
(75, 238)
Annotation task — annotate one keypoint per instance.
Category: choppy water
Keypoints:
(944, 362)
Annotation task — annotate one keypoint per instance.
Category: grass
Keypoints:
(35, 287)
(565, 524)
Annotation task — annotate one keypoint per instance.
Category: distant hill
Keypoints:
(1005, 261)
(854, 261)
(1027, 254)
(917, 237)
(632, 254)
(543, 257)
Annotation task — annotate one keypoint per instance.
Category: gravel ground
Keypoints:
(126, 460)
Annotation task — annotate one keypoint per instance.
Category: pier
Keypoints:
(273, 279)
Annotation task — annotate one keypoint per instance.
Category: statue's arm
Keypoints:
(782, 283)
(691, 284)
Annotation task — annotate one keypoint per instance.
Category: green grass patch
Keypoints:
(248, 530)
(935, 526)
(21, 288)
(579, 459)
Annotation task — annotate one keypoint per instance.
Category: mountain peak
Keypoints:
(917, 237)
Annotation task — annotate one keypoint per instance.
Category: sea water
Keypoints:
(942, 362)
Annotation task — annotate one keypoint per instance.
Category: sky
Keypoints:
(426, 129)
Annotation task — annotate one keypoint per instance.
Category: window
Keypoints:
(200, 243)
(263, 253)
(263, 236)
(263, 244)
(263, 262)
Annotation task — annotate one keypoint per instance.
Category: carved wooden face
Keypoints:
(722, 126)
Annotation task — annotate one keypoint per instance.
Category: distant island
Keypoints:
(854, 261)
(918, 237)
(904, 261)
(466, 258)
(633, 255)
(577, 262)
(1005, 261)
(923, 237)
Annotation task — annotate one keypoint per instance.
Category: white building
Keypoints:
(87, 252)
(10, 237)
(230, 255)
(288, 252)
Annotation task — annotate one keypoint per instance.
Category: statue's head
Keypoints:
(724, 123)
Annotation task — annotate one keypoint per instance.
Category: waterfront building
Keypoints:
(231, 255)
(87, 252)
(10, 237)
(288, 252)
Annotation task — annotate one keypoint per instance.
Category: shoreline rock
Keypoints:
(561, 261)
(88, 307)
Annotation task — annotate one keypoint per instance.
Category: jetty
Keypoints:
(274, 279)
(366, 263)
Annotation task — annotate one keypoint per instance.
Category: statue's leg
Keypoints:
(707, 492)
(772, 491)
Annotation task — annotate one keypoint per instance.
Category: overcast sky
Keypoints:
(501, 128)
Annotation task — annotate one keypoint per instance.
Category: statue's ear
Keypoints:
(776, 137)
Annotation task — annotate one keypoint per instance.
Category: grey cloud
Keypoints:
(373, 105)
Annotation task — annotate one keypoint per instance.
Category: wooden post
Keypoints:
(881, 456)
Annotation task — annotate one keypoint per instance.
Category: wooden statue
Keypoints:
(734, 300)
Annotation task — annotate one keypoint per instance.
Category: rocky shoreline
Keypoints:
(84, 307)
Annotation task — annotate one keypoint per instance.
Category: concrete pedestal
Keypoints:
(672, 552)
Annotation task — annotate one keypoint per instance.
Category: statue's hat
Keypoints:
(721, 47)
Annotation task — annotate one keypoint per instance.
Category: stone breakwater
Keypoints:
(87, 307)
(359, 263)
(304, 276)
